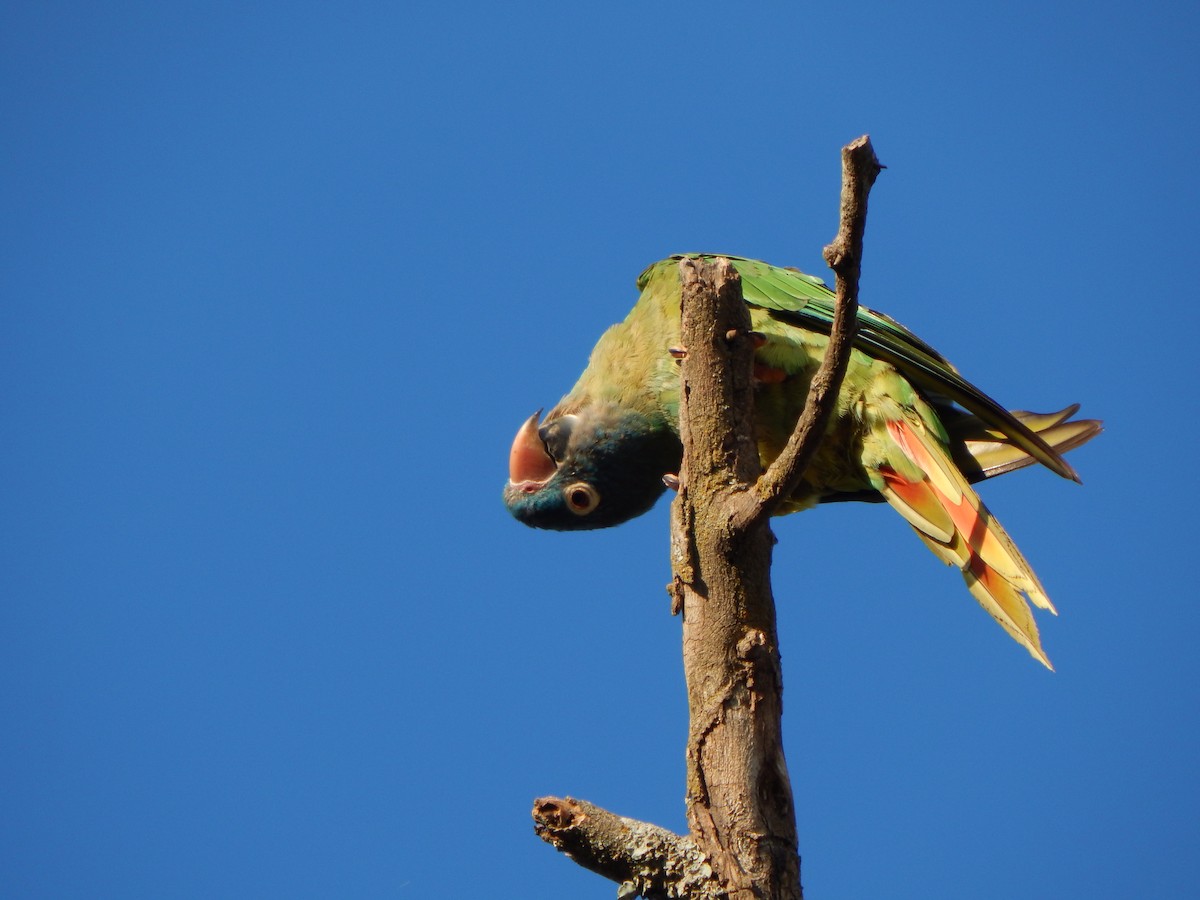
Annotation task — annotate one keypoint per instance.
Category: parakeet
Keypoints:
(908, 430)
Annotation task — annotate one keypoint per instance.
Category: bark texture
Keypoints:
(644, 859)
(739, 796)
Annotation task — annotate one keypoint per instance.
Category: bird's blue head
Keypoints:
(593, 468)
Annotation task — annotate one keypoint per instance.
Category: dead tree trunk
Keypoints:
(742, 842)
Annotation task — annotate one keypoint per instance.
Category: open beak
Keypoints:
(529, 465)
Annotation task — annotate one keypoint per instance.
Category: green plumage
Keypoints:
(599, 456)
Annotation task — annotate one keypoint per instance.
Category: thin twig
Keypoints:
(860, 167)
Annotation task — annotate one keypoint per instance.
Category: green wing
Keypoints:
(805, 301)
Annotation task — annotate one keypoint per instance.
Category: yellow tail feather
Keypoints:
(953, 522)
(987, 453)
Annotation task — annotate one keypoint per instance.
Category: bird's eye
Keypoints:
(582, 498)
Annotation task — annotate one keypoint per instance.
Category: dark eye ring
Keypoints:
(581, 498)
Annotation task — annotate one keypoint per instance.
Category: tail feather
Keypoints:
(981, 452)
(927, 488)
(998, 598)
(989, 453)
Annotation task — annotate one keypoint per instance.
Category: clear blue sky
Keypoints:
(278, 283)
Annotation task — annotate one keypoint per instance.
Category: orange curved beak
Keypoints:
(528, 461)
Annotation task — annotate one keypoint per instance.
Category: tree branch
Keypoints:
(860, 167)
(738, 794)
(644, 859)
(739, 799)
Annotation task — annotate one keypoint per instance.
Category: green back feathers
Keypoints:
(806, 302)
